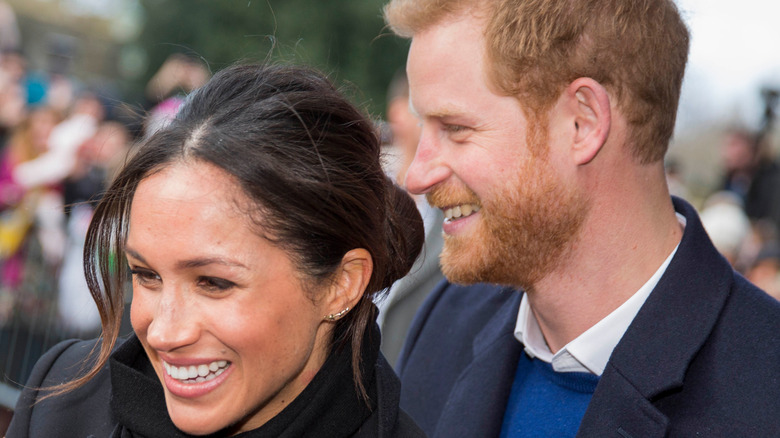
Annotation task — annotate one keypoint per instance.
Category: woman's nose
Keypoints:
(174, 323)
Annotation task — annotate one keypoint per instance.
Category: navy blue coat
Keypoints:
(701, 358)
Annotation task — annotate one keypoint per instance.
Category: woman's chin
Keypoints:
(191, 427)
(195, 423)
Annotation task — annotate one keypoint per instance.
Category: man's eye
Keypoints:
(214, 284)
(454, 128)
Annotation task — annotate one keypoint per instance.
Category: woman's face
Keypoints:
(231, 333)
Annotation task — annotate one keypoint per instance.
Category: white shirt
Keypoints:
(590, 351)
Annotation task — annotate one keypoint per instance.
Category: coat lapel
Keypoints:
(618, 410)
(478, 398)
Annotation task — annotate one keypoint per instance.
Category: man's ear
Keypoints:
(349, 283)
(589, 103)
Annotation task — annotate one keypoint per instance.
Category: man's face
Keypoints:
(509, 216)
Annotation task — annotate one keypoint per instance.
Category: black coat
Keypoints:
(125, 400)
(701, 358)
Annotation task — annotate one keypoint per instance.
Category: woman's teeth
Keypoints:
(460, 211)
(196, 373)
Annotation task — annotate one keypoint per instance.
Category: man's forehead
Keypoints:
(446, 61)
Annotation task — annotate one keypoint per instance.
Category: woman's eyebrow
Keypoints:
(134, 254)
(192, 263)
(203, 261)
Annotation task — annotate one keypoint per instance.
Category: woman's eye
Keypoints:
(213, 284)
(144, 277)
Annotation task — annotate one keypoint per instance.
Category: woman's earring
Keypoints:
(335, 316)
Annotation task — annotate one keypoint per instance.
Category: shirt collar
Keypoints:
(590, 351)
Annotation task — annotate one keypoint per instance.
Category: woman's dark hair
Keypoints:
(308, 159)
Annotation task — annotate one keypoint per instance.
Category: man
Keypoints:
(544, 127)
(398, 308)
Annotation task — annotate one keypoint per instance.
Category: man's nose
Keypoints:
(428, 167)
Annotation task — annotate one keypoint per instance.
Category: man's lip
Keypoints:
(461, 211)
(455, 225)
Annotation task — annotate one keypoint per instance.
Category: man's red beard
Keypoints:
(525, 229)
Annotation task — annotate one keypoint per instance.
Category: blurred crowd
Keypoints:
(57, 150)
(742, 215)
(60, 144)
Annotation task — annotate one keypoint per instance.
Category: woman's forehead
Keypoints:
(195, 189)
(192, 209)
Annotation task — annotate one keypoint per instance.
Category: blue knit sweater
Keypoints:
(544, 403)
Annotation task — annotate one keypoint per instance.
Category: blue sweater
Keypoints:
(546, 403)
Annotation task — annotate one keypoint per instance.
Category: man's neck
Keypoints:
(621, 245)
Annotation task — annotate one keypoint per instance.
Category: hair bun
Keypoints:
(406, 233)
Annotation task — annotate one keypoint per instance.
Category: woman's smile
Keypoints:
(193, 381)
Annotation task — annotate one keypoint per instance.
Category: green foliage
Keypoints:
(346, 39)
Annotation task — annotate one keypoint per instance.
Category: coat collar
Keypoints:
(659, 345)
(699, 279)
(327, 407)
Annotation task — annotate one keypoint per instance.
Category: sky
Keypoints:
(735, 51)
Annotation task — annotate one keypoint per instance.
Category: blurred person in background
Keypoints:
(38, 176)
(20, 205)
(727, 225)
(752, 173)
(54, 85)
(397, 309)
(764, 271)
(165, 91)
(738, 161)
(752, 176)
(13, 98)
(51, 168)
(98, 160)
(61, 157)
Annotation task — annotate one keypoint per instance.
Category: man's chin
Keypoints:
(466, 264)
(463, 264)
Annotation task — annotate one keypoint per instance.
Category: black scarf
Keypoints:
(328, 407)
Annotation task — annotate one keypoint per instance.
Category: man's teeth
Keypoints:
(196, 373)
(460, 211)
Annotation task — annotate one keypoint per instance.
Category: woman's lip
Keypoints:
(187, 361)
(197, 389)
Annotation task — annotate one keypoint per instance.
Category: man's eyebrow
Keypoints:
(448, 112)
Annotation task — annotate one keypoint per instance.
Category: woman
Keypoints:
(257, 228)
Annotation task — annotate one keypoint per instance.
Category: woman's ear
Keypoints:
(592, 118)
(349, 284)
